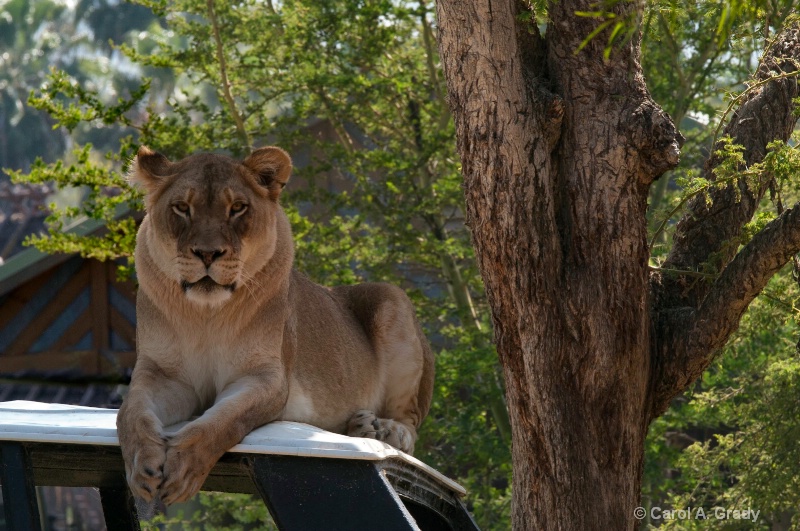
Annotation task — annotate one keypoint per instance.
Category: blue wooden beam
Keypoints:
(19, 492)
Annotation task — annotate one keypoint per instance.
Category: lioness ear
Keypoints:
(272, 167)
(148, 169)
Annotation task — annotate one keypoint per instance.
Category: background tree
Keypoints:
(35, 37)
(353, 90)
(560, 143)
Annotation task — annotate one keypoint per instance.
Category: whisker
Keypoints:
(248, 280)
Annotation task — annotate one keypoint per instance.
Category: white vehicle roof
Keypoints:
(22, 420)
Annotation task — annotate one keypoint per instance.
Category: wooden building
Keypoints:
(67, 314)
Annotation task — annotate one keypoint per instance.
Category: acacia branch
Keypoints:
(765, 114)
(743, 279)
(693, 318)
(699, 335)
(226, 85)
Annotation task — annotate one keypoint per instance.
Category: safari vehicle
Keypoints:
(310, 479)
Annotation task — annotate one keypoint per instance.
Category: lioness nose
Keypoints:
(208, 256)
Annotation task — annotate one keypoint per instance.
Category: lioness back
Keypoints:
(366, 344)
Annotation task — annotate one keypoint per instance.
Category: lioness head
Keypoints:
(212, 218)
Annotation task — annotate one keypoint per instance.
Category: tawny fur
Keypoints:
(227, 330)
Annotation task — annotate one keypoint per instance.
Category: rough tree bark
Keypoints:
(559, 150)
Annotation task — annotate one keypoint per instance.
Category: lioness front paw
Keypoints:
(187, 465)
(366, 424)
(146, 470)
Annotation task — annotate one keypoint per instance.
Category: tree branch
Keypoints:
(693, 318)
(765, 114)
(698, 335)
(241, 129)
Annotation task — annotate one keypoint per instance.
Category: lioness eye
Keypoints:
(237, 208)
(181, 208)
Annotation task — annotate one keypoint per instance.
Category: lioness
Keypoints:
(229, 331)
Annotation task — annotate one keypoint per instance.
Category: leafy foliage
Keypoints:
(42, 34)
(215, 510)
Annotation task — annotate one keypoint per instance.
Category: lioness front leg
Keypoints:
(249, 402)
(153, 401)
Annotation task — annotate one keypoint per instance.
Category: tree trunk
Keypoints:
(551, 179)
(559, 150)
